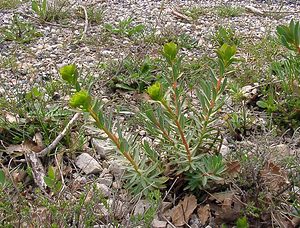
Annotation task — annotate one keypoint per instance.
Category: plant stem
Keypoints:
(115, 139)
(163, 130)
(175, 118)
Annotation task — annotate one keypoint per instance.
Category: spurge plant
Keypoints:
(186, 132)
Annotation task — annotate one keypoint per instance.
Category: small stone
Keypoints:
(117, 185)
(106, 192)
(2, 91)
(224, 150)
(142, 133)
(107, 52)
(249, 92)
(159, 224)
(116, 169)
(103, 147)
(88, 164)
(106, 180)
(141, 207)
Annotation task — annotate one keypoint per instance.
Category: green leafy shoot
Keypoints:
(242, 223)
(51, 180)
(290, 35)
(40, 8)
(226, 56)
(155, 92)
(2, 178)
(170, 51)
(82, 100)
(69, 73)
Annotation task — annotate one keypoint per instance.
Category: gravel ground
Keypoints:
(37, 62)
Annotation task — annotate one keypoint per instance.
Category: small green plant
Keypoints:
(134, 74)
(236, 92)
(125, 28)
(290, 35)
(283, 99)
(40, 8)
(242, 223)
(226, 35)
(195, 12)
(213, 168)
(186, 41)
(239, 122)
(10, 4)
(270, 104)
(9, 62)
(19, 31)
(52, 181)
(187, 142)
(38, 113)
(229, 11)
(50, 11)
(145, 219)
(95, 15)
(3, 180)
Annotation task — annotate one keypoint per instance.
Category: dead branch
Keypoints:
(58, 138)
(180, 15)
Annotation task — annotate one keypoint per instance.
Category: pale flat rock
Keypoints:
(102, 147)
(106, 192)
(159, 224)
(116, 169)
(88, 164)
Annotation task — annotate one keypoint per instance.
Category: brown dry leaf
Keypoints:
(220, 197)
(29, 145)
(203, 213)
(182, 212)
(19, 175)
(233, 168)
(228, 206)
(274, 177)
(25, 147)
(14, 149)
(38, 139)
(142, 96)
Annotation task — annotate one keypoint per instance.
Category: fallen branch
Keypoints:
(254, 10)
(37, 168)
(180, 15)
(58, 138)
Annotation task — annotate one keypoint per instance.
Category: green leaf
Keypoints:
(51, 172)
(156, 92)
(69, 73)
(58, 186)
(261, 104)
(2, 177)
(81, 99)
(49, 182)
(44, 6)
(170, 51)
(34, 6)
(242, 223)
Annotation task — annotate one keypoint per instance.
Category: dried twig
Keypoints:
(38, 171)
(86, 22)
(59, 137)
(180, 15)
